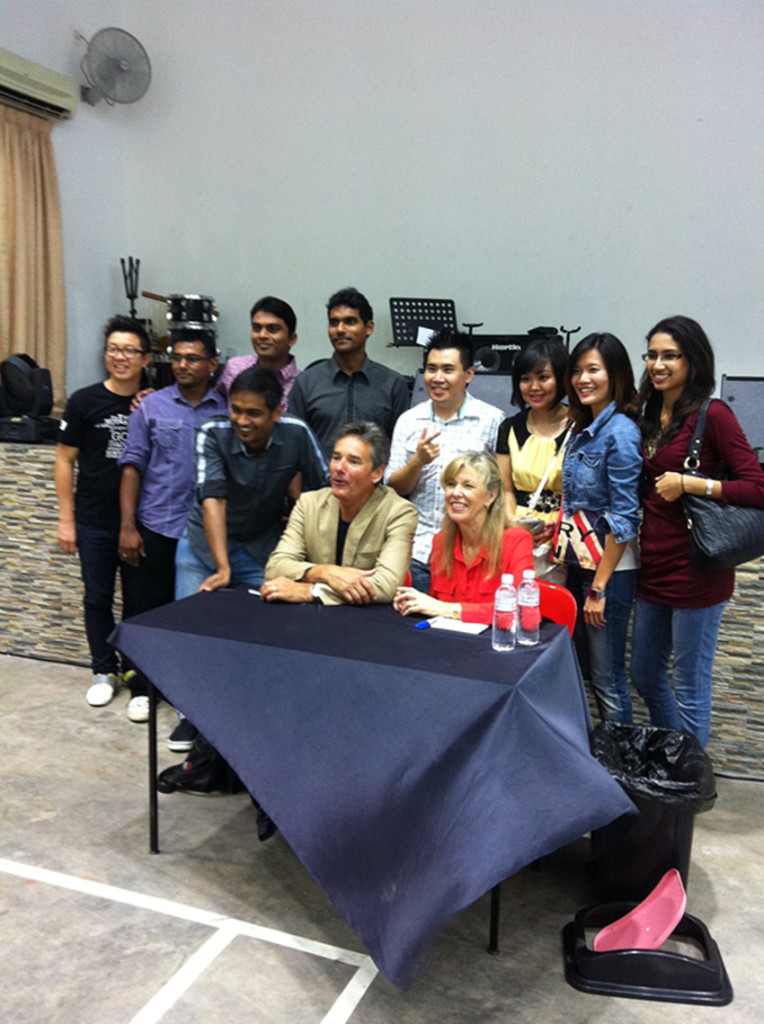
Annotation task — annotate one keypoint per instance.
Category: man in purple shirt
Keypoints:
(273, 334)
(158, 479)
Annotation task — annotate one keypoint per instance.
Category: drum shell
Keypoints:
(190, 309)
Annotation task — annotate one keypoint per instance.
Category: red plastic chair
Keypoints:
(558, 605)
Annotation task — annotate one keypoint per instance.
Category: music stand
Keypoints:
(408, 315)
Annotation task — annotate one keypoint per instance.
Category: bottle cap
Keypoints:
(529, 574)
(507, 579)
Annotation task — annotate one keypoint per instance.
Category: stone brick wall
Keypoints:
(40, 586)
(41, 609)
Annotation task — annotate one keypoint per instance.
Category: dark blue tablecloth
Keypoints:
(410, 770)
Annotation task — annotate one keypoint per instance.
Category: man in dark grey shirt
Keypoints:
(349, 386)
(244, 466)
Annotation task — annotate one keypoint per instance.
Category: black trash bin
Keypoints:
(670, 779)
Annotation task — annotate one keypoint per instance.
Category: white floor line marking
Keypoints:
(297, 942)
(183, 911)
(185, 976)
(226, 929)
(352, 994)
(110, 892)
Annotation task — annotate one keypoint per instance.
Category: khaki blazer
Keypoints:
(378, 538)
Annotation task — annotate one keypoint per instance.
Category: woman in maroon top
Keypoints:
(679, 608)
(473, 549)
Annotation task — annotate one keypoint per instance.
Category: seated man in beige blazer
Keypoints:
(348, 543)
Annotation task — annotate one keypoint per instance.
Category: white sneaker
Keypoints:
(102, 690)
(138, 708)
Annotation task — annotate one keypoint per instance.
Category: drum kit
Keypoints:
(191, 318)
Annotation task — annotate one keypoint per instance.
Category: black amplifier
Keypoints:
(26, 430)
(495, 353)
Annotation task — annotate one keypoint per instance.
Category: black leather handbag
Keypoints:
(721, 536)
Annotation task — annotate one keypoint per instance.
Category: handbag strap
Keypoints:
(533, 500)
(692, 462)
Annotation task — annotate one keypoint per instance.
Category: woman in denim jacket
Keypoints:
(601, 475)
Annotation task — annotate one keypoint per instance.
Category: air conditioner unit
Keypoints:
(34, 89)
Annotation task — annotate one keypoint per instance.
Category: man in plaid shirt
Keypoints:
(429, 435)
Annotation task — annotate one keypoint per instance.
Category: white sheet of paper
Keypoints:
(441, 622)
(423, 336)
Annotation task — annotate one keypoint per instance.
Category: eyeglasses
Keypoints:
(128, 351)
(665, 357)
(192, 360)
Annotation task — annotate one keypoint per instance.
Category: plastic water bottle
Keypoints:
(529, 611)
(505, 615)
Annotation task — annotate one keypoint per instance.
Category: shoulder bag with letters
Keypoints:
(579, 538)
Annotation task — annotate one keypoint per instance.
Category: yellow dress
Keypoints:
(530, 457)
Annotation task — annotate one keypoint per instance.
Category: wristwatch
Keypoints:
(709, 488)
(595, 595)
(315, 593)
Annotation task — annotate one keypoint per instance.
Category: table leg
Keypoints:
(153, 792)
(493, 934)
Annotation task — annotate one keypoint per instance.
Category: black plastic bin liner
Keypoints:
(670, 779)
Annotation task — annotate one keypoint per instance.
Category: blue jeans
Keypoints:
(420, 576)
(691, 634)
(191, 571)
(98, 548)
(604, 659)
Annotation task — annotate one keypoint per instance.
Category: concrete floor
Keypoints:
(221, 928)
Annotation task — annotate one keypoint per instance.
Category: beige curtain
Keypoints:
(32, 306)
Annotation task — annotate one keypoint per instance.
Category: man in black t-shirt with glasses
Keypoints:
(92, 435)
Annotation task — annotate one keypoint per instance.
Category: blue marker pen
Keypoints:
(422, 625)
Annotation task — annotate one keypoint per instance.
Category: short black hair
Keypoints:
(535, 356)
(204, 337)
(446, 338)
(127, 325)
(355, 300)
(260, 381)
(276, 307)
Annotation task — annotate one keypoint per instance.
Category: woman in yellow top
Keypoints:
(530, 445)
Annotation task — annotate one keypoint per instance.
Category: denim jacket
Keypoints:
(602, 470)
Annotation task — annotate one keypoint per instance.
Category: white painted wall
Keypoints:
(593, 162)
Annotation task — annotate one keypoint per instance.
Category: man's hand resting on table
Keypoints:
(282, 589)
(353, 585)
(218, 579)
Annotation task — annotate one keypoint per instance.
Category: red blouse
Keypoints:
(469, 585)
(667, 576)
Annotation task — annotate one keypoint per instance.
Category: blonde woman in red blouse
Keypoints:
(474, 547)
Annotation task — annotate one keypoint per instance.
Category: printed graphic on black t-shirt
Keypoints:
(95, 422)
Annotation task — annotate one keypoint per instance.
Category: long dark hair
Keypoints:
(696, 349)
(620, 375)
